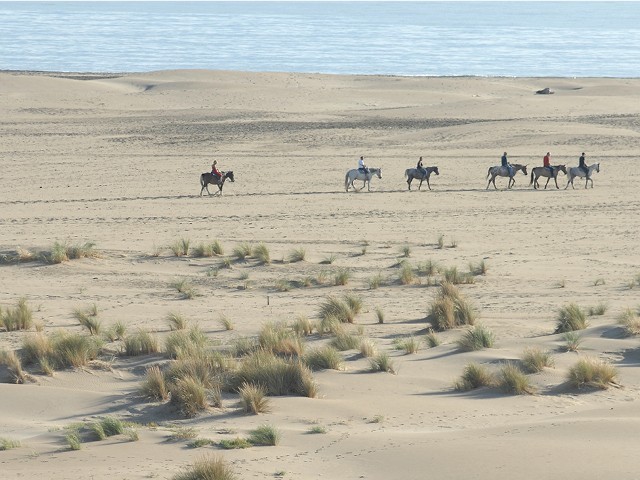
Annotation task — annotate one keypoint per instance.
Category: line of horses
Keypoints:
(423, 174)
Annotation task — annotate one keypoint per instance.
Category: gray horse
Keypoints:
(411, 173)
(538, 172)
(209, 178)
(574, 172)
(357, 174)
(501, 171)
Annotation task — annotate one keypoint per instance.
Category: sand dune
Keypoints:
(116, 160)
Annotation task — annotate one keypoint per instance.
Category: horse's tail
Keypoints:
(406, 173)
(531, 177)
(202, 180)
(489, 172)
(346, 182)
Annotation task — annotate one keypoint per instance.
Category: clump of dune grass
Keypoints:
(297, 255)
(428, 268)
(200, 442)
(88, 318)
(261, 253)
(189, 395)
(225, 322)
(336, 308)
(450, 309)
(570, 318)
(592, 372)
(176, 321)
(83, 250)
(476, 338)
(210, 369)
(234, 444)
(202, 250)
(112, 426)
(573, 340)
(243, 345)
(342, 277)
(140, 343)
(599, 309)
(117, 331)
(317, 429)
(329, 259)
(14, 365)
(440, 242)
(154, 385)
(368, 348)
(253, 398)
(246, 283)
(453, 276)
(279, 339)
(57, 254)
(405, 251)
(381, 363)
(8, 444)
(208, 468)
(354, 302)
(376, 281)
(474, 376)
(598, 281)
(180, 248)
(329, 324)
(242, 250)
(432, 339)
(561, 283)
(179, 433)
(535, 360)
(479, 268)
(61, 350)
(345, 341)
(280, 376)
(283, 285)
(98, 430)
(265, 435)
(408, 344)
(302, 326)
(184, 287)
(406, 275)
(186, 343)
(73, 440)
(510, 379)
(18, 318)
(630, 320)
(380, 315)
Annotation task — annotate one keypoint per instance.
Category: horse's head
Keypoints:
(524, 169)
(229, 175)
(562, 168)
(598, 167)
(435, 170)
(379, 173)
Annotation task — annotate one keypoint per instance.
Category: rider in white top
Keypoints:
(362, 166)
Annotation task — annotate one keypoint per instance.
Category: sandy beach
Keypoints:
(115, 160)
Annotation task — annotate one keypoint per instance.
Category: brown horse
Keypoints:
(538, 172)
(504, 172)
(209, 178)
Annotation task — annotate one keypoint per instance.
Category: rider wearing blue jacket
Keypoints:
(506, 164)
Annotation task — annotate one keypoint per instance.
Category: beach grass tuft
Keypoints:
(592, 372)
(474, 376)
(570, 318)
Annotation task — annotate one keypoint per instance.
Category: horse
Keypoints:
(538, 172)
(411, 173)
(357, 174)
(574, 172)
(504, 172)
(209, 178)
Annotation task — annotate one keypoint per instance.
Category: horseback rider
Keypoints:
(505, 163)
(420, 168)
(546, 162)
(583, 166)
(361, 166)
(215, 172)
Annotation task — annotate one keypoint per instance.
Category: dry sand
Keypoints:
(116, 161)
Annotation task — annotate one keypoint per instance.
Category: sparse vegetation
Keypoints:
(317, 429)
(242, 251)
(88, 318)
(535, 360)
(154, 385)
(14, 365)
(264, 435)
(476, 338)
(73, 440)
(474, 376)
(512, 380)
(599, 309)
(297, 255)
(450, 309)
(208, 468)
(592, 372)
(367, 348)
(180, 248)
(598, 281)
(380, 315)
(573, 340)
(381, 363)
(432, 339)
(630, 320)
(376, 281)
(261, 253)
(479, 268)
(451, 275)
(345, 341)
(440, 242)
(208, 249)
(253, 398)
(408, 344)
(236, 443)
(302, 326)
(338, 309)
(189, 395)
(406, 276)
(324, 358)
(18, 318)
(329, 259)
(342, 277)
(7, 444)
(140, 343)
(225, 322)
(186, 343)
(405, 251)
(428, 268)
(278, 339)
(283, 285)
(176, 321)
(570, 318)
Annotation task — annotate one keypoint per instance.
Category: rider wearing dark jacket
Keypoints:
(420, 168)
(582, 165)
(505, 163)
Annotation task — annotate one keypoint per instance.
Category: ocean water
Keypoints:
(574, 39)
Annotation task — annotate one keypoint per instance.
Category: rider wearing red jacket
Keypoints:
(215, 171)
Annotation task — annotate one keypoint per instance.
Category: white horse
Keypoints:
(574, 172)
(357, 174)
(504, 172)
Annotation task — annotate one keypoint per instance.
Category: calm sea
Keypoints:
(396, 38)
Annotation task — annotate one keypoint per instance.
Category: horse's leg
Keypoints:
(556, 180)
(545, 185)
(409, 182)
(420, 186)
(428, 184)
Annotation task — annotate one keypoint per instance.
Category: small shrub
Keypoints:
(476, 338)
(432, 339)
(381, 363)
(329, 325)
(7, 444)
(283, 285)
(112, 426)
(132, 434)
(180, 433)
(450, 309)
(18, 318)
(236, 443)
(328, 260)
(154, 385)
(406, 274)
(202, 250)
(216, 248)
(226, 323)
(317, 429)
(185, 287)
(97, 429)
(451, 275)
(405, 251)
(73, 440)
(570, 318)
(573, 341)
(474, 376)
(226, 263)
(208, 468)
(428, 268)
(186, 343)
(74, 350)
(189, 395)
(176, 321)
(14, 365)
(376, 281)
(380, 315)
(598, 281)
(85, 250)
(180, 248)
(512, 380)
(345, 341)
(279, 339)
(336, 308)
(88, 318)
(354, 302)
(297, 255)
(264, 435)
(630, 320)
(242, 251)
(140, 343)
(200, 442)
(302, 326)
(409, 344)
(440, 242)
(367, 348)
(454, 243)
(479, 268)
(592, 372)
(261, 253)
(342, 277)
(599, 309)
(253, 399)
(535, 360)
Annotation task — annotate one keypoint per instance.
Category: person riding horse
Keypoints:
(215, 172)
(420, 168)
(505, 163)
(583, 166)
(546, 163)
(361, 166)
